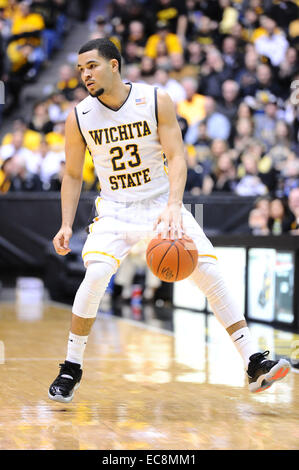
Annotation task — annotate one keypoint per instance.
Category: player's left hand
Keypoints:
(172, 221)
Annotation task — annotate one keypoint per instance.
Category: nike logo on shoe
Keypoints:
(85, 112)
(238, 338)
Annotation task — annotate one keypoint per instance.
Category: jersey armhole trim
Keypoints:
(156, 104)
(79, 127)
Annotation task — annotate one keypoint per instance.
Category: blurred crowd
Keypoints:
(231, 68)
(30, 32)
(275, 215)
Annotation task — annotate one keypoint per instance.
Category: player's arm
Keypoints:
(71, 183)
(172, 143)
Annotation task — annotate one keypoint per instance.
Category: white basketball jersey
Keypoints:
(124, 145)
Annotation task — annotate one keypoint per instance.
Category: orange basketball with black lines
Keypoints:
(171, 260)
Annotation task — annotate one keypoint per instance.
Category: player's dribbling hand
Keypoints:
(61, 241)
(171, 218)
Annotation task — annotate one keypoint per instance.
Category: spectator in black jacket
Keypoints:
(283, 13)
(214, 72)
(17, 174)
(229, 103)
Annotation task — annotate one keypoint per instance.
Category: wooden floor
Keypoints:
(142, 388)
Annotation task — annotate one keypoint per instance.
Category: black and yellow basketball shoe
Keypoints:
(65, 384)
(262, 373)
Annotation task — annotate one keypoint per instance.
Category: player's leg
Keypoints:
(106, 246)
(84, 311)
(262, 373)
(209, 279)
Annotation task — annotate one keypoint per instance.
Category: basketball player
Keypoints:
(128, 127)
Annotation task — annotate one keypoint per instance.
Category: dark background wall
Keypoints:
(29, 221)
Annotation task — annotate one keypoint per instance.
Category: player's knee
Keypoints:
(92, 288)
(98, 273)
(208, 271)
(208, 277)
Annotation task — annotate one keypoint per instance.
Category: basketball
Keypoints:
(171, 260)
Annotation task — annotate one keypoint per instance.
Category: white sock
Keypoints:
(76, 348)
(244, 343)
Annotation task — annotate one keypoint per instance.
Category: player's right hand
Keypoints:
(61, 241)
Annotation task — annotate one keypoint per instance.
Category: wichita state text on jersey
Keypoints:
(124, 145)
(123, 132)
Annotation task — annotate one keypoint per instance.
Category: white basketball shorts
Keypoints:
(120, 225)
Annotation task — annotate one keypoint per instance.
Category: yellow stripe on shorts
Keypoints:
(102, 253)
(210, 256)
(98, 200)
(91, 226)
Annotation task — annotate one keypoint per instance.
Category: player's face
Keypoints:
(96, 72)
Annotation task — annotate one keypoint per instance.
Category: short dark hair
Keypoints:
(105, 48)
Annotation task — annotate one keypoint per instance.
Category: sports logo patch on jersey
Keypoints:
(140, 100)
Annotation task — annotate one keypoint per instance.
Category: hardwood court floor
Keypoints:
(142, 388)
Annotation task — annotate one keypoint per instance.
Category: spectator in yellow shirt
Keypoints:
(68, 81)
(193, 107)
(89, 176)
(170, 41)
(56, 139)
(25, 44)
(31, 140)
(24, 21)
